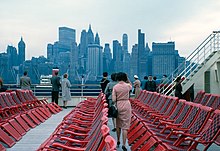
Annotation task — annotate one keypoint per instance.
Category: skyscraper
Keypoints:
(90, 35)
(164, 58)
(95, 60)
(125, 55)
(125, 43)
(107, 58)
(134, 61)
(50, 52)
(67, 36)
(142, 55)
(21, 51)
(12, 56)
(83, 44)
(97, 39)
(117, 56)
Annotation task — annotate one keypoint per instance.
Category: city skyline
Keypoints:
(185, 22)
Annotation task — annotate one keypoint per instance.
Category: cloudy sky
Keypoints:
(187, 22)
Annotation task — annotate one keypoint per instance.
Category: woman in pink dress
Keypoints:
(120, 95)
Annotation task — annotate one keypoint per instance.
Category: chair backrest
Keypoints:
(20, 95)
(145, 94)
(205, 99)
(212, 132)
(184, 113)
(15, 97)
(201, 120)
(7, 102)
(140, 95)
(216, 103)
(212, 100)
(160, 102)
(177, 109)
(169, 105)
(199, 96)
(2, 102)
(10, 99)
(192, 115)
(148, 97)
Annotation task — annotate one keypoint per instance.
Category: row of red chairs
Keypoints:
(207, 99)
(83, 129)
(20, 111)
(166, 123)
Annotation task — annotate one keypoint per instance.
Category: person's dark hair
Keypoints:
(56, 73)
(65, 75)
(105, 74)
(121, 76)
(146, 77)
(155, 78)
(165, 75)
(113, 76)
(178, 79)
(25, 73)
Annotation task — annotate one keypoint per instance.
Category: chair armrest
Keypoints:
(68, 147)
(73, 140)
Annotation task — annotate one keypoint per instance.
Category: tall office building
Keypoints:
(142, 55)
(97, 39)
(50, 52)
(21, 51)
(74, 64)
(134, 61)
(95, 61)
(117, 56)
(164, 58)
(67, 36)
(125, 55)
(12, 56)
(125, 43)
(83, 44)
(107, 59)
(90, 36)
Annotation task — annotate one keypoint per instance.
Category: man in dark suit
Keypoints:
(150, 84)
(55, 81)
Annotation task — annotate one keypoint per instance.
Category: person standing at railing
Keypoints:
(66, 95)
(104, 81)
(108, 93)
(143, 83)
(150, 84)
(25, 82)
(178, 88)
(137, 85)
(120, 95)
(55, 81)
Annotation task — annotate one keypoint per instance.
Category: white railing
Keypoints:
(193, 62)
(78, 90)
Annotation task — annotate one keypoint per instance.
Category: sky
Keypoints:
(187, 22)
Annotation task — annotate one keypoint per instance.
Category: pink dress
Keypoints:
(120, 94)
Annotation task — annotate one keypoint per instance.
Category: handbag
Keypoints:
(113, 110)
